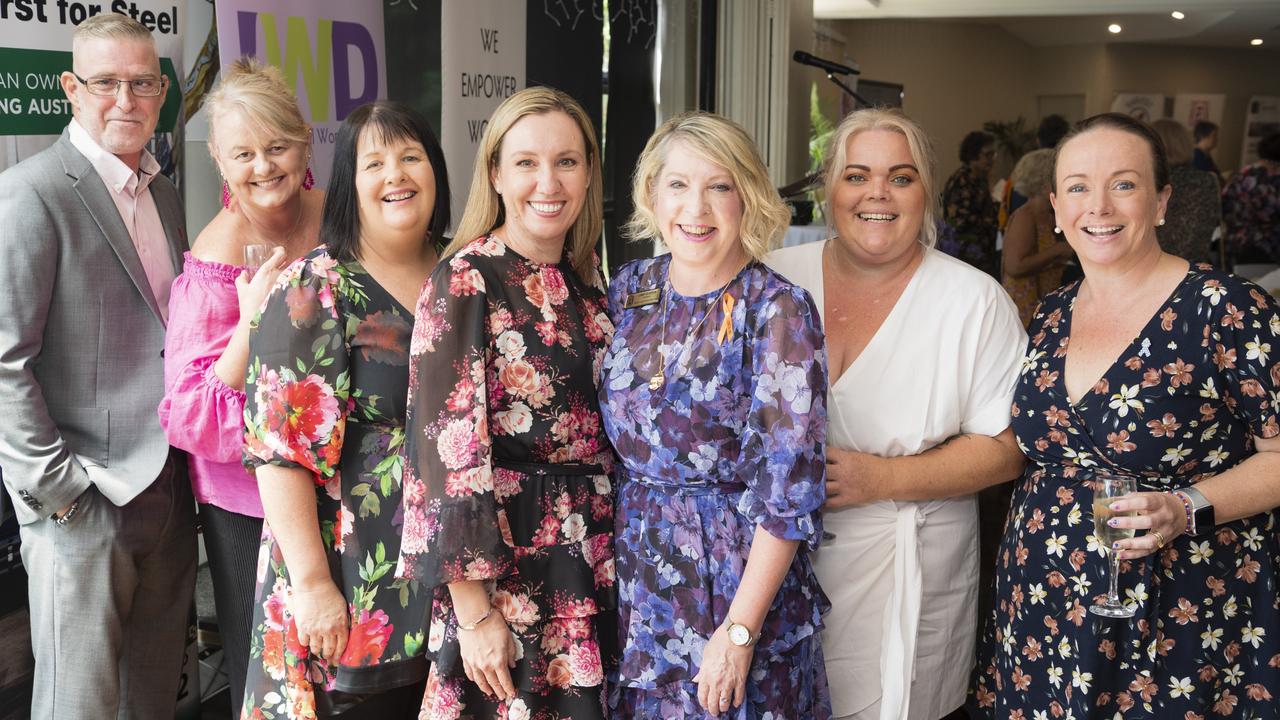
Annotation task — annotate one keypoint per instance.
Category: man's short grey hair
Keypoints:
(111, 26)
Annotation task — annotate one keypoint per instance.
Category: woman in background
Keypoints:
(262, 147)
(968, 205)
(1251, 207)
(1195, 208)
(1033, 254)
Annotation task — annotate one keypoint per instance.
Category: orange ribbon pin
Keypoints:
(726, 325)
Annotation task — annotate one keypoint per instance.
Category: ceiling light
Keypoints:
(1256, 41)
(1114, 28)
(1178, 15)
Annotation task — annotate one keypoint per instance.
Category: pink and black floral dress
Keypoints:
(328, 376)
(506, 478)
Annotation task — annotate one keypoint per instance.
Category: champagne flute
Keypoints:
(1106, 489)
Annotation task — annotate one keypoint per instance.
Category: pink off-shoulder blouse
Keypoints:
(201, 414)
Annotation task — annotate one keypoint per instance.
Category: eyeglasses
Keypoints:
(142, 87)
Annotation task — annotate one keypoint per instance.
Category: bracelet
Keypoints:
(472, 626)
(1186, 507)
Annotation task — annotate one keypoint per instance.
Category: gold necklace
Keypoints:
(660, 378)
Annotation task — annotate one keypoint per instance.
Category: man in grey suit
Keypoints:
(91, 236)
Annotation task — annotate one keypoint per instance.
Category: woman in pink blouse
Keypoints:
(261, 145)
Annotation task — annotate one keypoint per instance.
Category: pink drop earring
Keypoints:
(226, 195)
(309, 181)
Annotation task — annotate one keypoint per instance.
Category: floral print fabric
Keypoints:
(970, 209)
(1180, 404)
(507, 479)
(732, 441)
(328, 374)
(1251, 211)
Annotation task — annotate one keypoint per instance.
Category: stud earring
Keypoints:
(1057, 230)
(1161, 222)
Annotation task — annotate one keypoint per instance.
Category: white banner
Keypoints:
(482, 63)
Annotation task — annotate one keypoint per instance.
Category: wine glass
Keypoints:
(1107, 488)
(255, 255)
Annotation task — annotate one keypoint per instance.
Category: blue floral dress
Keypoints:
(1182, 403)
(731, 441)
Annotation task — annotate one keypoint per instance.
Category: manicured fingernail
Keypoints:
(1112, 522)
(1115, 506)
(1115, 546)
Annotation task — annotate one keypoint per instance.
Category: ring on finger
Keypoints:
(724, 698)
(1159, 536)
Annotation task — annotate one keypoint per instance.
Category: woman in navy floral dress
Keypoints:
(508, 508)
(1166, 373)
(713, 394)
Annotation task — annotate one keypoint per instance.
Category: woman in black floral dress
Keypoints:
(508, 506)
(328, 373)
(1168, 374)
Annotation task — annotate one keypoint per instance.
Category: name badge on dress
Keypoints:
(642, 298)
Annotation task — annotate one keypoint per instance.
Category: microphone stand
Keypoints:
(856, 97)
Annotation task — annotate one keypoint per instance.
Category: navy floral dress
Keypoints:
(1182, 403)
(506, 479)
(733, 440)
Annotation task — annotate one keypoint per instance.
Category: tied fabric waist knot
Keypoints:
(902, 615)
(684, 489)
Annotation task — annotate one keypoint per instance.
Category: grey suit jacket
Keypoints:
(81, 336)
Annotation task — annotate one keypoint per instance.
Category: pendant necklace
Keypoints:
(660, 378)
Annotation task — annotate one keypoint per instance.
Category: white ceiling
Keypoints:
(1040, 23)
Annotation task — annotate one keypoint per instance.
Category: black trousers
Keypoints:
(231, 541)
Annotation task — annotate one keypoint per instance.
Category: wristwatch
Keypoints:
(739, 635)
(1202, 517)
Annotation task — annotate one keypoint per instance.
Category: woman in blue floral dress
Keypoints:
(1168, 374)
(713, 394)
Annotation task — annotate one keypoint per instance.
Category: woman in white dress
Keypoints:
(924, 352)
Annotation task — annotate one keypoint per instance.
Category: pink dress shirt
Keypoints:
(200, 413)
(137, 209)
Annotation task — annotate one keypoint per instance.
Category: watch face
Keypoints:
(739, 635)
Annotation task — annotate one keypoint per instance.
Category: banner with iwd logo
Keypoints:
(35, 48)
(332, 54)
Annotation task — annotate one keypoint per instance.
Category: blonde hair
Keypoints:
(921, 154)
(1178, 145)
(259, 91)
(722, 142)
(484, 210)
(111, 26)
(1033, 174)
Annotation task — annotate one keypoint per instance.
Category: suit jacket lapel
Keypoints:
(97, 201)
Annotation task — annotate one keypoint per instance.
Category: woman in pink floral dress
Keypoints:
(508, 508)
(325, 408)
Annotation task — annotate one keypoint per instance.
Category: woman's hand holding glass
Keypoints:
(253, 285)
(722, 679)
(1162, 516)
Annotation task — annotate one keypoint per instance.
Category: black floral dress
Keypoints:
(507, 478)
(328, 375)
(1182, 403)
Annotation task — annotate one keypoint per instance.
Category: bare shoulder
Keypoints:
(220, 241)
